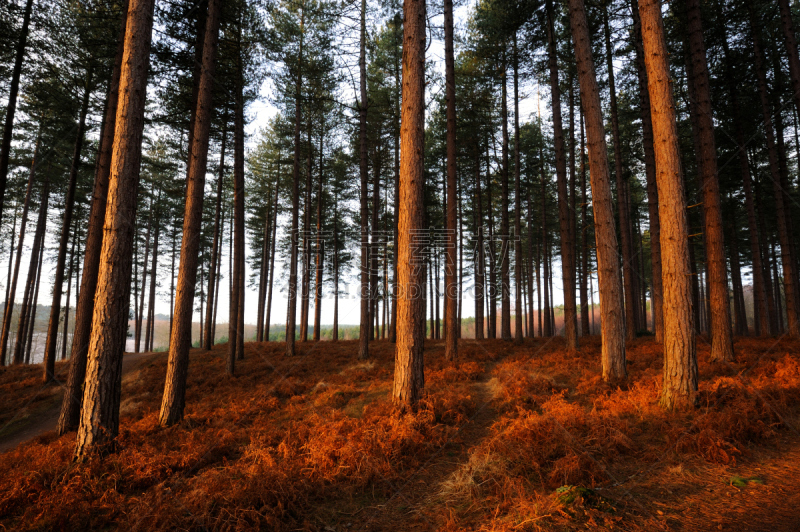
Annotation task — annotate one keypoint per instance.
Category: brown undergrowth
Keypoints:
(313, 443)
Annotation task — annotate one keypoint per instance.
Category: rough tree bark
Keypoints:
(409, 379)
(679, 386)
(99, 421)
(84, 309)
(612, 323)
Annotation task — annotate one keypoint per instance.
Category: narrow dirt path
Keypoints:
(47, 420)
(414, 500)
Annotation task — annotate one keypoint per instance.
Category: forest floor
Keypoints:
(509, 438)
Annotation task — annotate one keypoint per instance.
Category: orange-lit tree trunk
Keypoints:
(84, 308)
(409, 379)
(720, 318)
(564, 210)
(679, 385)
(612, 323)
(657, 299)
(180, 341)
(450, 287)
(99, 421)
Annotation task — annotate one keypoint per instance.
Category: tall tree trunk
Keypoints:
(35, 302)
(10, 262)
(238, 193)
(292, 296)
(451, 294)
(69, 287)
(780, 211)
(319, 256)
(518, 258)
(38, 241)
(679, 386)
(585, 245)
(409, 379)
(363, 337)
(480, 259)
(264, 270)
(564, 211)
(216, 245)
(100, 409)
(760, 311)
(720, 323)
(492, 292)
(140, 305)
(505, 283)
(11, 106)
(396, 139)
(236, 315)
(12, 291)
(306, 277)
(151, 299)
(272, 263)
(69, 206)
(613, 348)
(650, 173)
(180, 341)
(84, 308)
(623, 207)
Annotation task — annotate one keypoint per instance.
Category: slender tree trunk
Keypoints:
(180, 342)
(10, 263)
(505, 283)
(272, 262)
(363, 342)
(631, 323)
(564, 211)
(151, 300)
(409, 379)
(306, 277)
(492, 292)
(585, 326)
(237, 311)
(319, 258)
(216, 246)
(396, 135)
(679, 386)
(480, 259)
(41, 224)
(264, 270)
(780, 213)
(720, 323)
(12, 291)
(69, 205)
(65, 330)
(11, 107)
(291, 314)
(613, 348)
(140, 305)
(452, 297)
(32, 319)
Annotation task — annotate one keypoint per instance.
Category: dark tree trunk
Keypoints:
(451, 294)
(480, 259)
(11, 106)
(363, 336)
(272, 263)
(564, 211)
(623, 206)
(180, 341)
(11, 293)
(30, 284)
(32, 319)
(236, 334)
(505, 282)
(216, 248)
